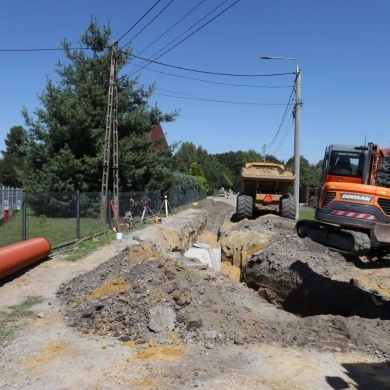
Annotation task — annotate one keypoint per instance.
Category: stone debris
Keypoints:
(147, 295)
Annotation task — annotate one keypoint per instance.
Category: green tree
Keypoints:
(218, 175)
(12, 166)
(200, 177)
(233, 161)
(65, 141)
(383, 175)
(310, 174)
(251, 156)
(185, 156)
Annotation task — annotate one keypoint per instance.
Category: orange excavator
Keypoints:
(353, 212)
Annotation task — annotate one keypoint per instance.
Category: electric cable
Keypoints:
(213, 73)
(282, 121)
(150, 22)
(47, 49)
(139, 20)
(218, 100)
(188, 36)
(288, 127)
(219, 83)
(170, 28)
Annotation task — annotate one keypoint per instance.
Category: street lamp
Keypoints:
(297, 117)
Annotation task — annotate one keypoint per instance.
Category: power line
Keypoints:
(282, 121)
(288, 127)
(194, 32)
(149, 10)
(219, 83)
(150, 22)
(170, 28)
(46, 49)
(163, 64)
(189, 97)
(198, 29)
(212, 73)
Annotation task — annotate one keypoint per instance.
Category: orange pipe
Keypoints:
(17, 256)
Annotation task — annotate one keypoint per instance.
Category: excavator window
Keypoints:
(346, 164)
(343, 166)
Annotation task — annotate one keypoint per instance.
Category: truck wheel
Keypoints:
(244, 207)
(287, 207)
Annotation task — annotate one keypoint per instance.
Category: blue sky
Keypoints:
(342, 48)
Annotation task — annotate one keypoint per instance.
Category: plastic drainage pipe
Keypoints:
(17, 256)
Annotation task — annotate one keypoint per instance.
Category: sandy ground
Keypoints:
(48, 354)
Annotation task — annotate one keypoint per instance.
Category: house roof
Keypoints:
(158, 133)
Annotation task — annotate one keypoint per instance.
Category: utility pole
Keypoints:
(297, 146)
(264, 151)
(297, 117)
(111, 138)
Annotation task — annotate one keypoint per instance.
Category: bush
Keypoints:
(313, 201)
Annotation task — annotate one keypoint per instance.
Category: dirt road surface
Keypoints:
(94, 328)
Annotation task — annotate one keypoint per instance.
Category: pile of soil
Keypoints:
(142, 296)
(160, 300)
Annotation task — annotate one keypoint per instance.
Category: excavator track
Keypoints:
(334, 237)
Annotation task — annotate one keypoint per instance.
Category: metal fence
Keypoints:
(67, 217)
(10, 199)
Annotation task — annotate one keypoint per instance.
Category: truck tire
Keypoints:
(287, 207)
(244, 207)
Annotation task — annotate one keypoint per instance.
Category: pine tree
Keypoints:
(383, 175)
(65, 141)
(12, 166)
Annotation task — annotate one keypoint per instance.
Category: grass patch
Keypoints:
(83, 248)
(56, 230)
(306, 214)
(13, 319)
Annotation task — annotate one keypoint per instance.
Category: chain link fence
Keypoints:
(10, 200)
(67, 217)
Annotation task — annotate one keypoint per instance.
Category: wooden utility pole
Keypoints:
(111, 139)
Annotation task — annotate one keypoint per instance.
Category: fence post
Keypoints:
(78, 229)
(24, 216)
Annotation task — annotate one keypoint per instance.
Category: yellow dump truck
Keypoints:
(265, 187)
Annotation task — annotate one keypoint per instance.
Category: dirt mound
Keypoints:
(142, 296)
(146, 301)
(218, 214)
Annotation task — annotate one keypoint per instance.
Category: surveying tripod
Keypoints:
(146, 209)
(166, 206)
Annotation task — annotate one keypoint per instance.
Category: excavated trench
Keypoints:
(153, 284)
(302, 291)
(298, 275)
